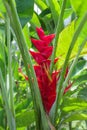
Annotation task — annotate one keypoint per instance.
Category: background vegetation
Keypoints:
(18, 22)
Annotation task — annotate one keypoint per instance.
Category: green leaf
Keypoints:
(41, 4)
(25, 10)
(26, 34)
(73, 109)
(77, 116)
(1, 128)
(21, 128)
(80, 79)
(2, 118)
(2, 8)
(73, 104)
(55, 9)
(46, 20)
(25, 118)
(79, 67)
(67, 13)
(83, 93)
(45, 16)
(64, 43)
(2, 49)
(2, 66)
(80, 7)
(35, 21)
(22, 105)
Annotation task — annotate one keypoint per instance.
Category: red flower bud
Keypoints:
(37, 56)
(40, 33)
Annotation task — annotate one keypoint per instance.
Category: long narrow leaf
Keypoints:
(10, 119)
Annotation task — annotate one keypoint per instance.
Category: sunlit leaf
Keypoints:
(73, 109)
(22, 105)
(64, 43)
(2, 8)
(41, 4)
(35, 21)
(25, 118)
(77, 116)
(80, 8)
(73, 104)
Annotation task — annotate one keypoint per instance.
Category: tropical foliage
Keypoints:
(43, 64)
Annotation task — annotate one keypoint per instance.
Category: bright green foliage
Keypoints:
(35, 21)
(67, 33)
(79, 6)
(64, 43)
(29, 111)
(72, 104)
(25, 118)
(2, 8)
(77, 116)
(41, 4)
(75, 107)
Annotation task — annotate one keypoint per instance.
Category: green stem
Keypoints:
(58, 29)
(3, 50)
(59, 84)
(10, 119)
(27, 61)
(86, 123)
(9, 65)
(70, 125)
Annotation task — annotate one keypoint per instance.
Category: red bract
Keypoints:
(47, 82)
(45, 38)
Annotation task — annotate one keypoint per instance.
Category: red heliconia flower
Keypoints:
(47, 82)
(45, 38)
(40, 32)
